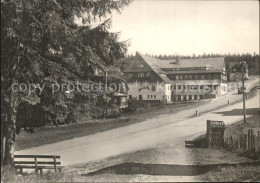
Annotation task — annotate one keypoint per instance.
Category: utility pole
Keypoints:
(242, 66)
(244, 101)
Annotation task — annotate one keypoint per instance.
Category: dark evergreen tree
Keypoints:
(41, 43)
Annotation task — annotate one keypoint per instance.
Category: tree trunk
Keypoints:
(10, 131)
(3, 140)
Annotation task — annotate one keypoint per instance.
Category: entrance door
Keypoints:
(140, 97)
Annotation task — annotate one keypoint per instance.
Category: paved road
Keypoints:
(146, 134)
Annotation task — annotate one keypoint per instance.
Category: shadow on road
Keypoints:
(162, 169)
(239, 112)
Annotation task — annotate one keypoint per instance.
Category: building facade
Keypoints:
(147, 81)
(186, 79)
(234, 74)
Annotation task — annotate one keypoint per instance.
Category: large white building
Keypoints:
(177, 80)
(147, 81)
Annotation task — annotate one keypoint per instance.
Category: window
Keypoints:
(195, 97)
(201, 97)
(130, 97)
(123, 99)
(148, 74)
(140, 65)
(181, 77)
(177, 77)
(151, 96)
(190, 97)
(140, 97)
(201, 87)
(207, 76)
(196, 76)
(174, 87)
(202, 76)
(140, 75)
(185, 97)
(186, 76)
(153, 88)
(129, 75)
(190, 76)
(215, 87)
(216, 76)
(179, 87)
(154, 96)
(179, 97)
(147, 96)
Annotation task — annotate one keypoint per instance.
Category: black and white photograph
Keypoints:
(130, 91)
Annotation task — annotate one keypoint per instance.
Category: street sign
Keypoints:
(215, 133)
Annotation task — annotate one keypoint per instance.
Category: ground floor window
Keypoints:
(185, 97)
(140, 97)
(195, 97)
(130, 97)
(147, 96)
(154, 96)
(123, 99)
(201, 96)
(179, 97)
(190, 97)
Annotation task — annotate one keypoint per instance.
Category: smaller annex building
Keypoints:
(234, 73)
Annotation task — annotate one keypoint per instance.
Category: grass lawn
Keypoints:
(233, 174)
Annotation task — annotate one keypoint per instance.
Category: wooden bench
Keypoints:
(37, 162)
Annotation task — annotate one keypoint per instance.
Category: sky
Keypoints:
(189, 27)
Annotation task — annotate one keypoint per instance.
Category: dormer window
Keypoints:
(140, 65)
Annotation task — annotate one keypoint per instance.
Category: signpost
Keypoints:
(215, 133)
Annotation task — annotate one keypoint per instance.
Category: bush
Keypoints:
(8, 175)
(133, 104)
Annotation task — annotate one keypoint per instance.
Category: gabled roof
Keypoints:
(155, 68)
(210, 63)
(231, 64)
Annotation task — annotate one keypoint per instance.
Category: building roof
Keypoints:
(231, 64)
(210, 63)
(155, 68)
(193, 71)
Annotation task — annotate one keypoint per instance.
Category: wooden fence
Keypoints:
(248, 141)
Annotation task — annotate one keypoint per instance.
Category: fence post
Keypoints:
(238, 142)
(249, 139)
(246, 142)
(255, 143)
(252, 140)
(231, 141)
(258, 143)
